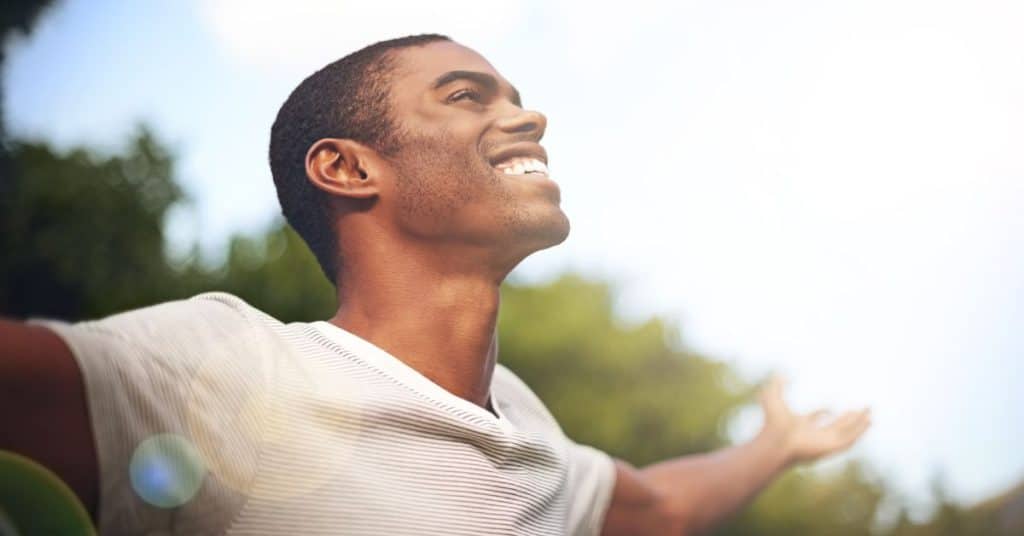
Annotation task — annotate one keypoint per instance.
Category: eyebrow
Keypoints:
(483, 79)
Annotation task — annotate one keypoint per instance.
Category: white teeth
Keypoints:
(520, 166)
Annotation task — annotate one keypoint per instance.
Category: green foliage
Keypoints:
(633, 392)
(84, 236)
(278, 274)
(1000, 515)
(20, 15)
(625, 389)
(812, 502)
(16, 17)
(84, 232)
(88, 232)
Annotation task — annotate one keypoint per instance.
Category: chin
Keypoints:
(550, 232)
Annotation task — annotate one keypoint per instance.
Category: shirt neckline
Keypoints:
(403, 373)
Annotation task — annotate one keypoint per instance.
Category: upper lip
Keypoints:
(525, 150)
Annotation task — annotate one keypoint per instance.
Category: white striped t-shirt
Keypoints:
(211, 417)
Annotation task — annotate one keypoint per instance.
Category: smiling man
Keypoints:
(417, 178)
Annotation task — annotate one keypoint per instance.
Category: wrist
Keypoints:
(778, 446)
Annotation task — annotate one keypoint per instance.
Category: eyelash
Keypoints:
(457, 96)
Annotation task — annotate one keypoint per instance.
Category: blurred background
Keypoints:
(830, 190)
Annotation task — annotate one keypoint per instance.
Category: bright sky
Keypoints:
(834, 190)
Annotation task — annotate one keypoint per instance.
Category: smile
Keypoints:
(522, 166)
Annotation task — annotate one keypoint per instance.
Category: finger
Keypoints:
(840, 440)
(853, 433)
(771, 396)
(843, 421)
(863, 419)
(856, 426)
(842, 426)
(818, 416)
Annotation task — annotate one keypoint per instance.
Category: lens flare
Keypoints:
(166, 470)
(274, 411)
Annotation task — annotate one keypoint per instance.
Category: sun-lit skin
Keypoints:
(440, 227)
(428, 233)
(448, 192)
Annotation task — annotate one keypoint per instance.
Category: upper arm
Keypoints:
(43, 407)
(636, 508)
(187, 371)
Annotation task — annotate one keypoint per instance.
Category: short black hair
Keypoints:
(348, 99)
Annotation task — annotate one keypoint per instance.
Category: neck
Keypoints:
(440, 322)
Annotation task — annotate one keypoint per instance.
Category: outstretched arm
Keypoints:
(43, 407)
(690, 494)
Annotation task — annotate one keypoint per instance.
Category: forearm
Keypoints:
(691, 494)
(704, 489)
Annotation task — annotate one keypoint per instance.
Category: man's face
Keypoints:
(462, 132)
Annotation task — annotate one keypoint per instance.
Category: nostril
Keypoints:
(525, 126)
(525, 121)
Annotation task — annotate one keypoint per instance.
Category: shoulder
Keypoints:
(170, 346)
(199, 370)
(518, 400)
(206, 310)
(512, 387)
(590, 476)
(165, 350)
(504, 378)
(203, 319)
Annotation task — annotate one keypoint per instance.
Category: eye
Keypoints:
(464, 94)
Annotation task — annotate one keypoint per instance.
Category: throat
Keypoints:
(448, 333)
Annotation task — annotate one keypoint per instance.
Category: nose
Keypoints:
(524, 121)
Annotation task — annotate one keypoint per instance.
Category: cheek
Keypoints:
(437, 182)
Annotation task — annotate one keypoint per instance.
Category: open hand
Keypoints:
(813, 435)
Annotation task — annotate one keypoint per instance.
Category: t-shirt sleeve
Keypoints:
(591, 472)
(168, 402)
(591, 481)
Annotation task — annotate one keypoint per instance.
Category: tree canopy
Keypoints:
(85, 238)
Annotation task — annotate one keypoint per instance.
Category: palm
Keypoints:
(813, 435)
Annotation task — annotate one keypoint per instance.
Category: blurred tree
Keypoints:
(88, 232)
(20, 16)
(278, 274)
(1002, 515)
(634, 392)
(16, 17)
(806, 501)
(85, 233)
(631, 390)
(84, 238)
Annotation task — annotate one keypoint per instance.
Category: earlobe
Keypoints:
(342, 167)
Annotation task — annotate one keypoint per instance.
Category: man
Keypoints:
(416, 177)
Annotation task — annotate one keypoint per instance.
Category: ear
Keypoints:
(344, 167)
